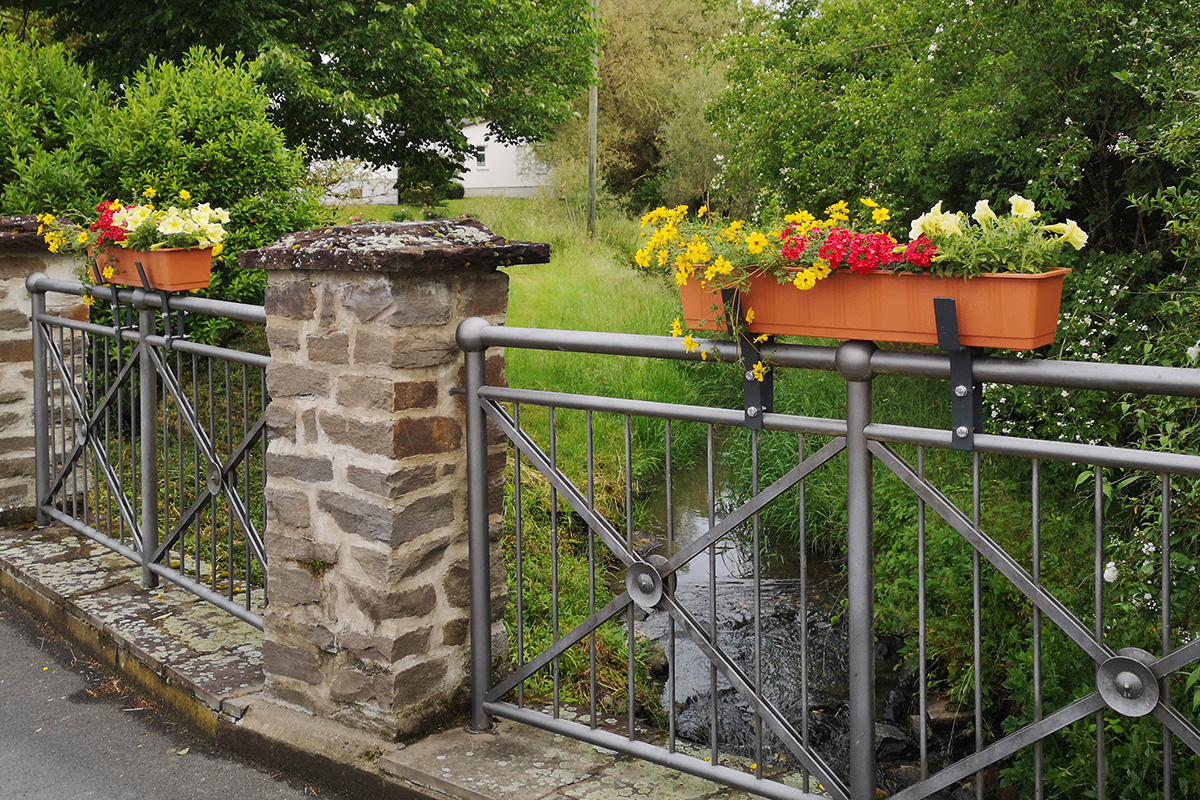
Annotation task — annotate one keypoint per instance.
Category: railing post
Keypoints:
(41, 399)
(478, 537)
(148, 427)
(854, 365)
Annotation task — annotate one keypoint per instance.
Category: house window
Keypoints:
(481, 157)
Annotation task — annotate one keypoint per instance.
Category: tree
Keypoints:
(386, 83)
(654, 81)
(950, 100)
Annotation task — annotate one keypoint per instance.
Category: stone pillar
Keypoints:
(366, 467)
(22, 253)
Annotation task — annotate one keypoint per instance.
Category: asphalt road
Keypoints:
(69, 729)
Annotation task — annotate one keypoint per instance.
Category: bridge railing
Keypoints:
(153, 444)
(1028, 677)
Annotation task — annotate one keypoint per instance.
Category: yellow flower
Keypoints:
(839, 211)
(868, 202)
(689, 344)
(676, 327)
(704, 355)
(1070, 232)
(881, 215)
(681, 276)
(217, 248)
(81, 237)
(642, 257)
(149, 193)
(983, 212)
(1022, 207)
(89, 300)
(802, 219)
(663, 256)
(700, 212)
(108, 273)
(760, 371)
(749, 315)
(723, 265)
(761, 338)
(804, 280)
(185, 195)
(115, 205)
(756, 242)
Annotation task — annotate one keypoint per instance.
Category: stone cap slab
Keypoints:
(18, 234)
(426, 246)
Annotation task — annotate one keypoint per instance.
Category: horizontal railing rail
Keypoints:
(1114, 684)
(153, 444)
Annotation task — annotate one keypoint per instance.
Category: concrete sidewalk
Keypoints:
(205, 666)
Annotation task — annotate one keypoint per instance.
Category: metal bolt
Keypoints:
(645, 583)
(962, 431)
(749, 375)
(752, 411)
(1129, 685)
(961, 391)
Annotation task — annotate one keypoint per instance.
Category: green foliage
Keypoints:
(654, 146)
(54, 130)
(381, 82)
(201, 127)
(953, 101)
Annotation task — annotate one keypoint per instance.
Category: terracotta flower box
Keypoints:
(169, 269)
(1014, 311)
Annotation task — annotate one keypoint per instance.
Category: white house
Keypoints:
(500, 170)
(494, 170)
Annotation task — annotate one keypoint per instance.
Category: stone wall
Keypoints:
(366, 467)
(22, 253)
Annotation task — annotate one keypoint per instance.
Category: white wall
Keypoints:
(507, 170)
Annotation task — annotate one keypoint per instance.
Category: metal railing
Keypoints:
(1116, 687)
(152, 444)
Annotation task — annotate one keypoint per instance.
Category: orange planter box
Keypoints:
(1013, 311)
(169, 269)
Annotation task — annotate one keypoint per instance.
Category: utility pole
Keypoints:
(593, 112)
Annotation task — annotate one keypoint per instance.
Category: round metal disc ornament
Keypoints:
(644, 584)
(213, 479)
(1127, 684)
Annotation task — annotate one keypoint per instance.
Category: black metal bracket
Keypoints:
(966, 394)
(758, 395)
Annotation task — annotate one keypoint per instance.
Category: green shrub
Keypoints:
(202, 126)
(53, 130)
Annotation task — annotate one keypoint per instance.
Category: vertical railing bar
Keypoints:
(1098, 589)
(671, 620)
(853, 359)
(591, 557)
(148, 440)
(197, 524)
(1165, 682)
(180, 480)
(802, 529)
(1038, 748)
(41, 410)
(756, 533)
(73, 337)
(108, 445)
(165, 467)
(229, 521)
(52, 395)
(212, 520)
(554, 620)
(922, 654)
(120, 421)
(263, 402)
(631, 688)
(519, 542)
(710, 470)
(977, 613)
(478, 536)
(246, 468)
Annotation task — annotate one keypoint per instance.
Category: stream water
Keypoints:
(775, 615)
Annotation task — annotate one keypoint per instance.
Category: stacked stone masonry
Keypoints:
(22, 253)
(366, 467)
